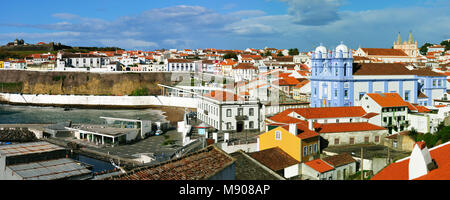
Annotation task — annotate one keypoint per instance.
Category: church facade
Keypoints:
(336, 81)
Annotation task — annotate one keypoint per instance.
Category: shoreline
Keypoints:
(171, 113)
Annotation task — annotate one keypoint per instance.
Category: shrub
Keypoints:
(140, 92)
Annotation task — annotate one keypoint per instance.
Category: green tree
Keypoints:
(446, 44)
(268, 53)
(230, 55)
(424, 49)
(293, 52)
(280, 53)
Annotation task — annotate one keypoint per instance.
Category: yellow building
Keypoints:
(2, 64)
(300, 143)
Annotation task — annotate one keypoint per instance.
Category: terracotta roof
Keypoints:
(384, 52)
(422, 109)
(329, 112)
(248, 168)
(286, 81)
(388, 99)
(348, 127)
(223, 96)
(274, 158)
(319, 165)
(380, 69)
(425, 72)
(339, 160)
(422, 95)
(303, 130)
(179, 61)
(283, 58)
(200, 165)
(399, 170)
(245, 66)
(370, 115)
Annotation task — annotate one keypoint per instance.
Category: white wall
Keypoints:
(248, 148)
(291, 171)
(100, 100)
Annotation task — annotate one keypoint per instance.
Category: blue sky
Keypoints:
(230, 24)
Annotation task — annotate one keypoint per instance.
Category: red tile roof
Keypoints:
(303, 130)
(223, 96)
(370, 115)
(275, 158)
(422, 109)
(329, 112)
(388, 99)
(179, 61)
(200, 165)
(348, 127)
(245, 66)
(399, 170)
(384, 52)
(319, 165)
(339, 160)
(286, 81)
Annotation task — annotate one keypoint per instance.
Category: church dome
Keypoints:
(343, 49)
(321, 50)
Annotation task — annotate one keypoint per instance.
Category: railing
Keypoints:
(241, 117)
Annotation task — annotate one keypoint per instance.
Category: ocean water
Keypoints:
(10, 114)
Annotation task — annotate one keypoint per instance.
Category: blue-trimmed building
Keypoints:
(336, 81)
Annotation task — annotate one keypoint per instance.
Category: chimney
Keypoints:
(310, 125)
(293, 129)
(420, 162)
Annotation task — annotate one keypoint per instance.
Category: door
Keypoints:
(239, 126)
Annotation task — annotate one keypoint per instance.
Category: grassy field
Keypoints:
(20, 54)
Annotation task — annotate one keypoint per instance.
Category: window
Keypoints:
(277, 135)
(305, 151)
(361, 95)
(336, 141)
(315, 148)
(310, 149)
(250, 125)
(377, 139)
(407, 96)
(434, 83)
(228, 112)
(251, 111)
(366, 139)
(240, 111)
(345, 93)
(337, 120)
(335, 93)
(228, 125)
(352, 140)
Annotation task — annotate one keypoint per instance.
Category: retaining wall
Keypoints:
(81, 100)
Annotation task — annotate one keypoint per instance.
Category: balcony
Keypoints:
(241, 117)
(205, 112)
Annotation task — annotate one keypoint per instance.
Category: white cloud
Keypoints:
(66, 16)
(200, 27)
(128, 43)
(314, 12)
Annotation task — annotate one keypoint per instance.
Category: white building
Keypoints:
(181, 65)
(228, 112)
(244, 72)
(392, 110)
(78, 60)
(338, 167)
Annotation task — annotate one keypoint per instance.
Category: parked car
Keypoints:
(158, 132)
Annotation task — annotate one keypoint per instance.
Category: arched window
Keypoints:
(345, 69)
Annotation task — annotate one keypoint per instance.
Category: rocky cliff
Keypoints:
(83, 83)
